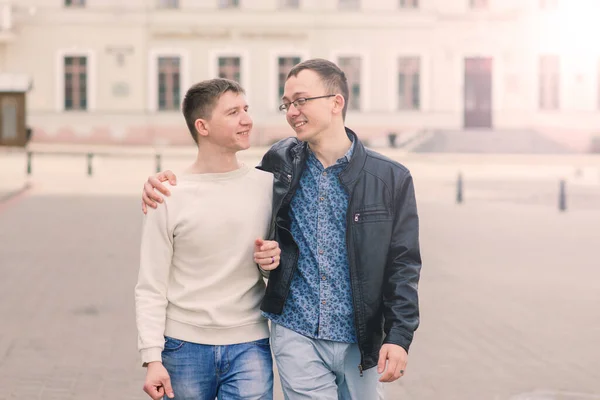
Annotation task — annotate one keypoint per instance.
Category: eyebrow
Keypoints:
(235, 108)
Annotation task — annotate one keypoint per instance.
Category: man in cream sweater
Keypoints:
(201, 332)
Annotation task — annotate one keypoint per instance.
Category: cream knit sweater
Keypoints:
(197, 279)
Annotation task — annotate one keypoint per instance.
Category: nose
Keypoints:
(246, 119)
(292, 111)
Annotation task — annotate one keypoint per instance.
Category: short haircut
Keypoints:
(331, 75)
(201, 99)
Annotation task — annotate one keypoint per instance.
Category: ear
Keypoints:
(339, 104)
(201, 126)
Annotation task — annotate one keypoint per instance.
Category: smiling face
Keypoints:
(229, 125)
(310, 120)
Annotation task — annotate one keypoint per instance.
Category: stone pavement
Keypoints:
(510, 290)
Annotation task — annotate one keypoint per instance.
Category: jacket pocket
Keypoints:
(372, 215)
(282, 176)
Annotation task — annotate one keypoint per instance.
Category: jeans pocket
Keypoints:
(276, 337)
(172, 344)
(264, 343)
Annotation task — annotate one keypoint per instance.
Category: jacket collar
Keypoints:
(354, 167)
(357, 161)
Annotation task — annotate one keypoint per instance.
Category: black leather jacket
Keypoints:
(382, 239)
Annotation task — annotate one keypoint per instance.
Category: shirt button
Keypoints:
(323, 277)
(324, 173)
(321, 198)
(321, 251)
(323, 302)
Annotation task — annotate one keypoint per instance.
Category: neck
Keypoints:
(331, 145)
(213, 159)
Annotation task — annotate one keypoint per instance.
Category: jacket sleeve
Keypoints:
(266, 163)
(400, 290)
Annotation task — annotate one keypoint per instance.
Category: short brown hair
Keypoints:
(331, 75)
(201, 99)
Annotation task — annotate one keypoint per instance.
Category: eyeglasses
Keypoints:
(301, 101)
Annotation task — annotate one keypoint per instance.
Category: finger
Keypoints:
(269, 245)
(144, 208)
(168, 387)
(160, 393)
(382, 359)
(150, 191)
(171, 177)
(152, 390)
(389, 371)
(267, 254)
(146, 200)
(157, 185)
(258, 242)
(398, 372)
(266, 260)
(270, 267)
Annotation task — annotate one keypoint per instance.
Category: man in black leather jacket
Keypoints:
(345, 296)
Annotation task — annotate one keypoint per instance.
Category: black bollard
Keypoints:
(29, 163)
(90, 156)
(459, 189)
(158, 167)
(562, 196)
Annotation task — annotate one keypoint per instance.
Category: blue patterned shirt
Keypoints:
(319, 304)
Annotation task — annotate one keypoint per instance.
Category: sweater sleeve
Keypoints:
(151, 289)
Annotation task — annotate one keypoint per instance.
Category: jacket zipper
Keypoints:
(356, 319)
(274, 220)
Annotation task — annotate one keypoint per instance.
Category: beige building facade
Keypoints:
(115, 71)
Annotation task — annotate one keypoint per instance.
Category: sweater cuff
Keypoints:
(263, 272)
(151, 354)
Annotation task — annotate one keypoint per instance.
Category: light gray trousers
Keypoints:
(321, 369)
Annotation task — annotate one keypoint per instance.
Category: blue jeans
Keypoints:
(205, 372)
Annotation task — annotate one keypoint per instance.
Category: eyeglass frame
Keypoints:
(284, 107)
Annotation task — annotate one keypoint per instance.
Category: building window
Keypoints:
(229, 3)
(479, 4)
(549, 82)
(409, 83)
(75, 83)
(349, 4)
(289, 3)
(168, 3)
(351, 67)
(169, 83)
(285, 65)
(10, 122)
(74, 3)
(229, 68)
(409, 3)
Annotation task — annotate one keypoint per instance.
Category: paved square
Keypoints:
(510, 294)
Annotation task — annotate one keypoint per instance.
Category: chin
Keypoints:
(303, 135)
(244, 146)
